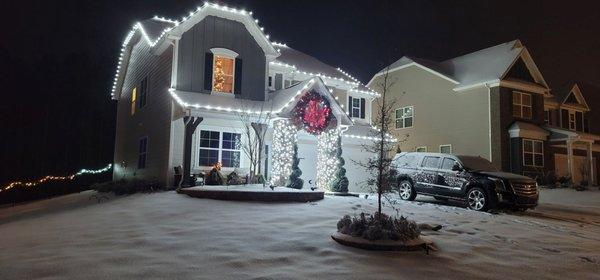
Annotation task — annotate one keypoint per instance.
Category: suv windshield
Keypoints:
(477, 164)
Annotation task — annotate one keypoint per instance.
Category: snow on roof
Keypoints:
(483, 65)
(364, 131)
(154, 27)
(278, 102)
(307, 63)
(489, 64)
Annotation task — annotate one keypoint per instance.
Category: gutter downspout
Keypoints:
(487, 86)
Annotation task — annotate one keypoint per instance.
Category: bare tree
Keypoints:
(383, 147)
(254, 128)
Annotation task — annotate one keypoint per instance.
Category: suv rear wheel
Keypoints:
(477, 199)
(406, 190)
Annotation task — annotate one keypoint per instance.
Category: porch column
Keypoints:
(570, 158)
(191, 123)
(590, 158)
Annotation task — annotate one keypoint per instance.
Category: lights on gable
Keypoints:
(138, 26)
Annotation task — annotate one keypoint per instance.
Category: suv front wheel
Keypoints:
(477, 199)
(406, 190)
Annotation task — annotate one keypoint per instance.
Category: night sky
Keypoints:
(58, 57)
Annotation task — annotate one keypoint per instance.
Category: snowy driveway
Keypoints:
(167, 235)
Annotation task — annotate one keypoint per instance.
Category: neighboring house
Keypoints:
(489, 103)
(182, 86)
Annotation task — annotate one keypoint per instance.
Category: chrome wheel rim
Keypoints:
(405, 190)
(476, 199)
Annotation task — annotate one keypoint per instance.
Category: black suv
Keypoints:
(468, 178)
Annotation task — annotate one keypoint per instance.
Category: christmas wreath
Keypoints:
(312, 113)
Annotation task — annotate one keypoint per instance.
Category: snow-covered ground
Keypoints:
(168, 235)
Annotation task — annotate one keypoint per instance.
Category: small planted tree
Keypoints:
(255, 125)
(340, 183)
(294, 181)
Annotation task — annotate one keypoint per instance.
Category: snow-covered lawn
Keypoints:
(168, 235)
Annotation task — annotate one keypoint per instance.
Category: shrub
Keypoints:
(375, 227)
(234, 179)
(131, 186)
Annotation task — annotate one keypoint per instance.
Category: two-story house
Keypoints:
(492, 103)
(186, 88)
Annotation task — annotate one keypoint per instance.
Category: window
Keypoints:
(133, 99)
(421, 149)
(448, 163)
(431, 162)
(406, 161)
(572, 120)
(547, 117)
(446, 149)
(219, 147)
(223, 69)
(355, 107)
(142, 152)
(522, 105)
(230, 156)
(533, 153)
(270, 81)
(404, 117)
(143, 92)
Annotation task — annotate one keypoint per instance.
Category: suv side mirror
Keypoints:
(456, 167)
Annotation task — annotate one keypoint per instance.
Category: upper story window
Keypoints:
(404, 117)
(356, 107)
(223, 69)
(572, 121)
(522, 107)
(222, 64)
(133, 100)
(143, 92)
(547, 118)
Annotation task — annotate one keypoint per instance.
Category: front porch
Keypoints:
(575, 155)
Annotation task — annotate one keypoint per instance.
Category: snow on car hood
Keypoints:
(506, 175)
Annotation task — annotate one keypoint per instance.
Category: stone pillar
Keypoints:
(590, 158)
(570, 163)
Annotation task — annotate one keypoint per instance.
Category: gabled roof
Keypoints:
(562, 94)
(483, 66)
(279, 102)
(307, 63)
(156, 29)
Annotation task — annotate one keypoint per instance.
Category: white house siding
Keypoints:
(441, 115)
(153, 121)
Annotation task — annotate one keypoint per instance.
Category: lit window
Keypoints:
(219, 147)
(521, 105)
(533, 153)
(223, 69)
(404, 117)
(133, 99)
(446, 149)
(142, 152)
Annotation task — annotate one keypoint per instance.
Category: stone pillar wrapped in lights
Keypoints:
(284, 140)
(327, 159)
